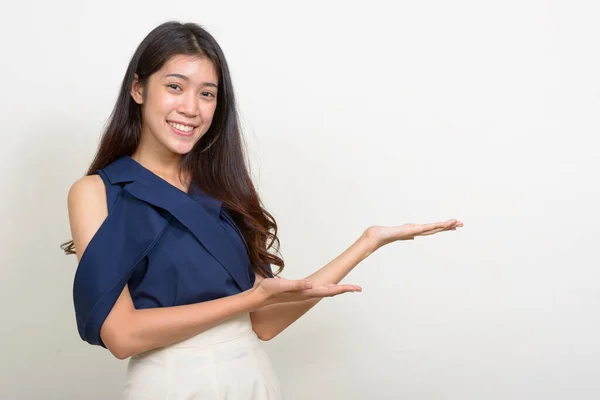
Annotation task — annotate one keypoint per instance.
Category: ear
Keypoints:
(137, 90)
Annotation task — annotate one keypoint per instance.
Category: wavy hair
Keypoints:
(218, 162)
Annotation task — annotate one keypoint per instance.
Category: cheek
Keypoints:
(208, 114)
(162, 102)
(168, 103)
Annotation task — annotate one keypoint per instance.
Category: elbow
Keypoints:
(262, 328)
(120, 352)
(119, 348)
(118, 343)
(264, 334)
(119, 355)
(265, 337)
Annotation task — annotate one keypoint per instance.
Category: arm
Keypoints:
(271, 320)
(127, 331)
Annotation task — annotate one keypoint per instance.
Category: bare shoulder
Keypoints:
(87, 210)
(86, 188)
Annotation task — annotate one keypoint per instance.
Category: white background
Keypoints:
(355, 114)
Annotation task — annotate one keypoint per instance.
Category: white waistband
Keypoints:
(233, 328)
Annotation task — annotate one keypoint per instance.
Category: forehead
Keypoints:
(198, 69)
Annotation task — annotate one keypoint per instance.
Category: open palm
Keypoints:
(383, 235)
(280, 290)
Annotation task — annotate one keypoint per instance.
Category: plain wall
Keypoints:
(355, 114)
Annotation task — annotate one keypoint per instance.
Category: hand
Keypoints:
(279, 290)
(382, 235)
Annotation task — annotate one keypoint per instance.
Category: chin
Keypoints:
(179, 146)
(181, 150)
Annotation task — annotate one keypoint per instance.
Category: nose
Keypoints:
(189, 105)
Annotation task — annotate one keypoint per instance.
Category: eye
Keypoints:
(173, 86)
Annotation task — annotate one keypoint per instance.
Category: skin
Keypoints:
(185, 91)
(188, 95)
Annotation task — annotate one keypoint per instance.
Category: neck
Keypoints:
(160, 161)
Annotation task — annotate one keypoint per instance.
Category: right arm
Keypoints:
(128, 331)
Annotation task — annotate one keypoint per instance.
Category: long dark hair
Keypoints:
(217, 163)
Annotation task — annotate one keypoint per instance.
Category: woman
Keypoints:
(173, 243)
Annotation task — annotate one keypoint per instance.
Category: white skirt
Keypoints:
(226, 362)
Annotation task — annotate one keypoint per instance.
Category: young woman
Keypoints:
(174, 247)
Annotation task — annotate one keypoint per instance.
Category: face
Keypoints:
(178, 103)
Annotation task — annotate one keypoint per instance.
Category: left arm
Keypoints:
(269, 321)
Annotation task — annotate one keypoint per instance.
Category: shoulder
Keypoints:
(85, 185)
(87, 207)
(89, 189)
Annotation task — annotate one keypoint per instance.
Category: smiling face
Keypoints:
(178, 103)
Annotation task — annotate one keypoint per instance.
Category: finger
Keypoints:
(343, 287)
(288, 285)
(332, 290)
(451, 228)
(351, 288)
(305, 284)
(439, 226)
(431, 232)
(434, 231)
(454, 223)
(325, 291)
(429, 227)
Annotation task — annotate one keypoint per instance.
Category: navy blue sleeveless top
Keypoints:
(170, 248)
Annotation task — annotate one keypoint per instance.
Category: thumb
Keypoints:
(302, 284)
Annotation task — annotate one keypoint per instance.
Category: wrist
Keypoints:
(368, 242)
(256, 298)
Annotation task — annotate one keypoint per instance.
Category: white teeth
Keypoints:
(182, 128)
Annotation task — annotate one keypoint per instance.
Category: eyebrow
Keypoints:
(185, 78)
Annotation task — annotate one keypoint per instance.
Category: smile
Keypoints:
(181, 127)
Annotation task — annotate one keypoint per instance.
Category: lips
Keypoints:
(182, 129)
